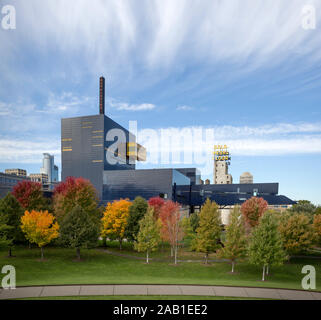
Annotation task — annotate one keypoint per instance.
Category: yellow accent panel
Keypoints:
(63, 150)
(97, 161)
(87, 127)
(97, 131)
(96, 145)
(69, 139)
(97, 136)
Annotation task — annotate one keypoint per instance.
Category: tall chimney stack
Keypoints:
(102, 95)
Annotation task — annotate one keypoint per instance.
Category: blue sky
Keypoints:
(245, 68)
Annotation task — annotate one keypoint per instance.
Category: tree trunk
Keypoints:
(147, 260)
(105, 242)
(120, 243)
(10, 252)
(263, 278)
(206, 258)
(78, 253)
(41, 248)
(233, 263)
(267, 270)
(175, 255)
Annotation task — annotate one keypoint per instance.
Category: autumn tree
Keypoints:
(235, 244)
(39, 227)
(78, 230)
(72, 192)
(148, 237)
(137, 211)
(209, 231)
(296, 232)
(10, 218)
(156, 203)
(317, 228)
(265, 246)
(252, 209)
(114, 221)
(30, 195)
(172, 228)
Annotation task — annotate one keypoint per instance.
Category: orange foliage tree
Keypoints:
(72, 192)
(253, 209)
(115, 218)
(172, 227)
(39, 227)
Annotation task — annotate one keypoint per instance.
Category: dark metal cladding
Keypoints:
(102, 95)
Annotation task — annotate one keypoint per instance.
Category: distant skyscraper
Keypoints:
(49, 168)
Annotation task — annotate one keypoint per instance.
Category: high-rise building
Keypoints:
(246, 177)
(49, 168)
(17, 172)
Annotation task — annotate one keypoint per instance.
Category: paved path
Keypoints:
(191, 290)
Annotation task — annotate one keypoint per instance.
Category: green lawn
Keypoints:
(141, 298)
(98, 267)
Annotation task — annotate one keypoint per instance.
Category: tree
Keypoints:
(317, 228)
(78, 230)
(39, 227)
(209, 230)
(303, 206)
(172, 227)
(137, 211)
(265, 247)
(195, 221)
(73, 192)
(114, 221)
(252, 209)
(296, 232)
(30, 195)
(156, 203)
(10, 216)
(235, 244)
(148, 237)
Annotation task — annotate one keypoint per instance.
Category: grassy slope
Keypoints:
(101, 268)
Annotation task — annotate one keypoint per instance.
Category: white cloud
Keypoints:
(184, 108)
(267, 140)
(131, 107)
(27, 151)
(66, 102)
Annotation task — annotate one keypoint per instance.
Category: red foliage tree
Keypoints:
(252, 209)
(29, 195)
(156, 203)
(74, 191)
(172, 229)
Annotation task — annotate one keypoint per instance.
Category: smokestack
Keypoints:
(102, 95)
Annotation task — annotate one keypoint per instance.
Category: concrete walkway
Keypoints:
(191, 290)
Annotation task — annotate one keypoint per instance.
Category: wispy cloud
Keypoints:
(184, 108)
(131, 107)
(279, 139)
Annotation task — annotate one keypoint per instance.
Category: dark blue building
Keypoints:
(99, 149)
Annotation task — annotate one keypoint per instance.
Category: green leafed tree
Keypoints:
(148, 237)
(10, 217)
(297, 233)
(137, 211)
(235, 244)
(209, 230)
(265, 246)
(78, 230)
